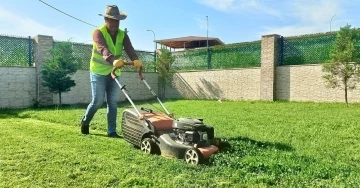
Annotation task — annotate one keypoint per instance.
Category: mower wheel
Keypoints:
(193, 156)
(148, 146)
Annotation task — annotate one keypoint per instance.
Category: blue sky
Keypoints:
(232, 21)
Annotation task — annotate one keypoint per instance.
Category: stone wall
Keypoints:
(305, 83)
(17, 87)
(21, 87)
(293, 83)
(236, 84)
(81, 93)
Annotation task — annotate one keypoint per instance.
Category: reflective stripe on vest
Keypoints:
(98, 64)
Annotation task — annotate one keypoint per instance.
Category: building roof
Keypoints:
(189, 42)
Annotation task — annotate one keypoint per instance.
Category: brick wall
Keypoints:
(42, 46)
(269, 60)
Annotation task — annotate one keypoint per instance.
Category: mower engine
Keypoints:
(192, 131)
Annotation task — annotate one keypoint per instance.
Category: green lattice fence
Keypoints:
(240, 55)
(16, 51)
(147, 59)
(312, 49)
(82, 54)
(190, 60)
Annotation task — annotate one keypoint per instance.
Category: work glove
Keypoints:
(118, 63)
(137, 64)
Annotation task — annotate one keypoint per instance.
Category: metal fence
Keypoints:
(82, 53)
(19, 51)
(306, 49)
(16, 51)
(311, 49)
(239, 55)
(147, 58)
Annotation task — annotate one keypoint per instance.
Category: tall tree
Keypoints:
(344, 70)
(163, 65)
(56, 72)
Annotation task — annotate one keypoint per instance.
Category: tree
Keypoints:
(163, 65)
(344, 70)
(56, 72)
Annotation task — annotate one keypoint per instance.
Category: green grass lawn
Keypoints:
(278, 144)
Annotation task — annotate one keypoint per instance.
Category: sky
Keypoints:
(232, 21)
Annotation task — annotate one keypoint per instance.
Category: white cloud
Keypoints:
(307, 11)
(293, 30)
(14, 25)
(202, 23)
(222, 5)
(253, 6)
(295, 17)
(307, 17)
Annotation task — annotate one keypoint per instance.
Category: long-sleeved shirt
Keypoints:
(99, 39)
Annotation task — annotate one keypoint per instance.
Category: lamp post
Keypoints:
(207, 31)
(207, 41)
(331, 21)
(154, 37)
(155, 46)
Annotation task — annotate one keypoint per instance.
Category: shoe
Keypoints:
(84, 127)
(114, 135)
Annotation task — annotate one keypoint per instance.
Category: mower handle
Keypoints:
(154, 94)
(113, 75)
(122, 88)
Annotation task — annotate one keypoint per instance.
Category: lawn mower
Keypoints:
(160, 133)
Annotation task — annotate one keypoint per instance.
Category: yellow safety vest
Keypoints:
(98, 64)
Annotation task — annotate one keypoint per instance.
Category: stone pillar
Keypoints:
(41, 52)
(270, 48)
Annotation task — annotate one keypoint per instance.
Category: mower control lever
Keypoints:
(146, 109)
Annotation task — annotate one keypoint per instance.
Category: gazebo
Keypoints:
(189, 42)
